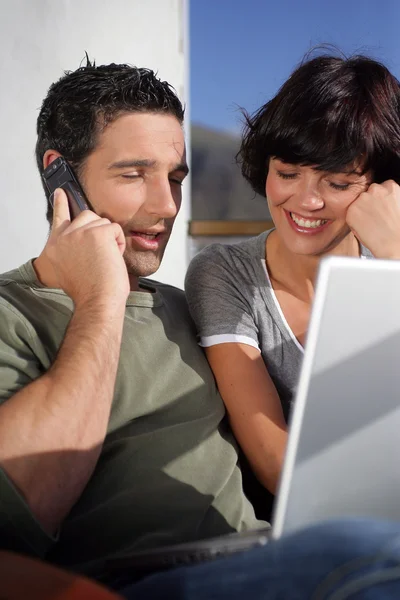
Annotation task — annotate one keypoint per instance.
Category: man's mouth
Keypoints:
(148, 240)
(146, 236)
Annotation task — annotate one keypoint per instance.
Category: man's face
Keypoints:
(134, 178)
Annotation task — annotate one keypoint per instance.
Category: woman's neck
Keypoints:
(297, 273)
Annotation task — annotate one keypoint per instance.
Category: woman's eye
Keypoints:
(287, 175)
(339, 186)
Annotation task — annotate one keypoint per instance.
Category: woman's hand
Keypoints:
(374, 218)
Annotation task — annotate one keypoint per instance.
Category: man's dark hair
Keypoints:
(332, 112)
(83, 102)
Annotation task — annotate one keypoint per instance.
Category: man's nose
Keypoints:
(162, 202)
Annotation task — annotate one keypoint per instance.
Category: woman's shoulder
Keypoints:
(229, 270)
(251, 249)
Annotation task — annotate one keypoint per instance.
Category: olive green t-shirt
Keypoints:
(168, 469)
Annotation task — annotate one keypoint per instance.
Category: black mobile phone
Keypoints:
(59, 174)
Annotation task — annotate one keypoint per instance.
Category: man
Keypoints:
(112, 432)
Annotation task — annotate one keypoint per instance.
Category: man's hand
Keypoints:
(52, 430)
(87, 255)
(374, 218)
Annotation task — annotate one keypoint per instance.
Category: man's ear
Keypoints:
(49, 156)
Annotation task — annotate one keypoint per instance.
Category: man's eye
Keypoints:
(287, 175)
(131, 176)
(176, 181)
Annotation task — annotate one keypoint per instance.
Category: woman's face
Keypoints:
(309, 207)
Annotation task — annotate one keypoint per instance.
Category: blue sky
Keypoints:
(241, 51)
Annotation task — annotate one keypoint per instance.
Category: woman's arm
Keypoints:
(220, 295)
(253, 406)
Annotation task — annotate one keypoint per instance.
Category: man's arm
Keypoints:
(52, 431)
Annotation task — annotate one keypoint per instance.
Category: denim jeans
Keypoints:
(347, 559)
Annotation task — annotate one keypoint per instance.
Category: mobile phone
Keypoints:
(59, 174)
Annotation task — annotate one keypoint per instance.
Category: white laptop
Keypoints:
(343, 454)
(344, 443)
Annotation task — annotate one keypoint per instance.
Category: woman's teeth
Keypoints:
(306, 223)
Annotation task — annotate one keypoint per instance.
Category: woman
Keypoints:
(325, 151)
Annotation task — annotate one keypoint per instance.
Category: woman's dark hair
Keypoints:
(333, 113)
(83, 102)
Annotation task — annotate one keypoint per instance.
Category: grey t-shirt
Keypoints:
(231, 299)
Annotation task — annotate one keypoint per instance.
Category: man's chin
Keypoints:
(143, 264)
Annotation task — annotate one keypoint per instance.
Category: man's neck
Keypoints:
(134, 283)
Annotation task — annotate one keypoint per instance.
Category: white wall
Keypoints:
(39, 39)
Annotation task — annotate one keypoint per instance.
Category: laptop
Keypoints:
(344, 442)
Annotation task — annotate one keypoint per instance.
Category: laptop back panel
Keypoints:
(343, 455)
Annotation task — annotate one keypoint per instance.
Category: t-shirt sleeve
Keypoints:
(219, 297)
(20, 364)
